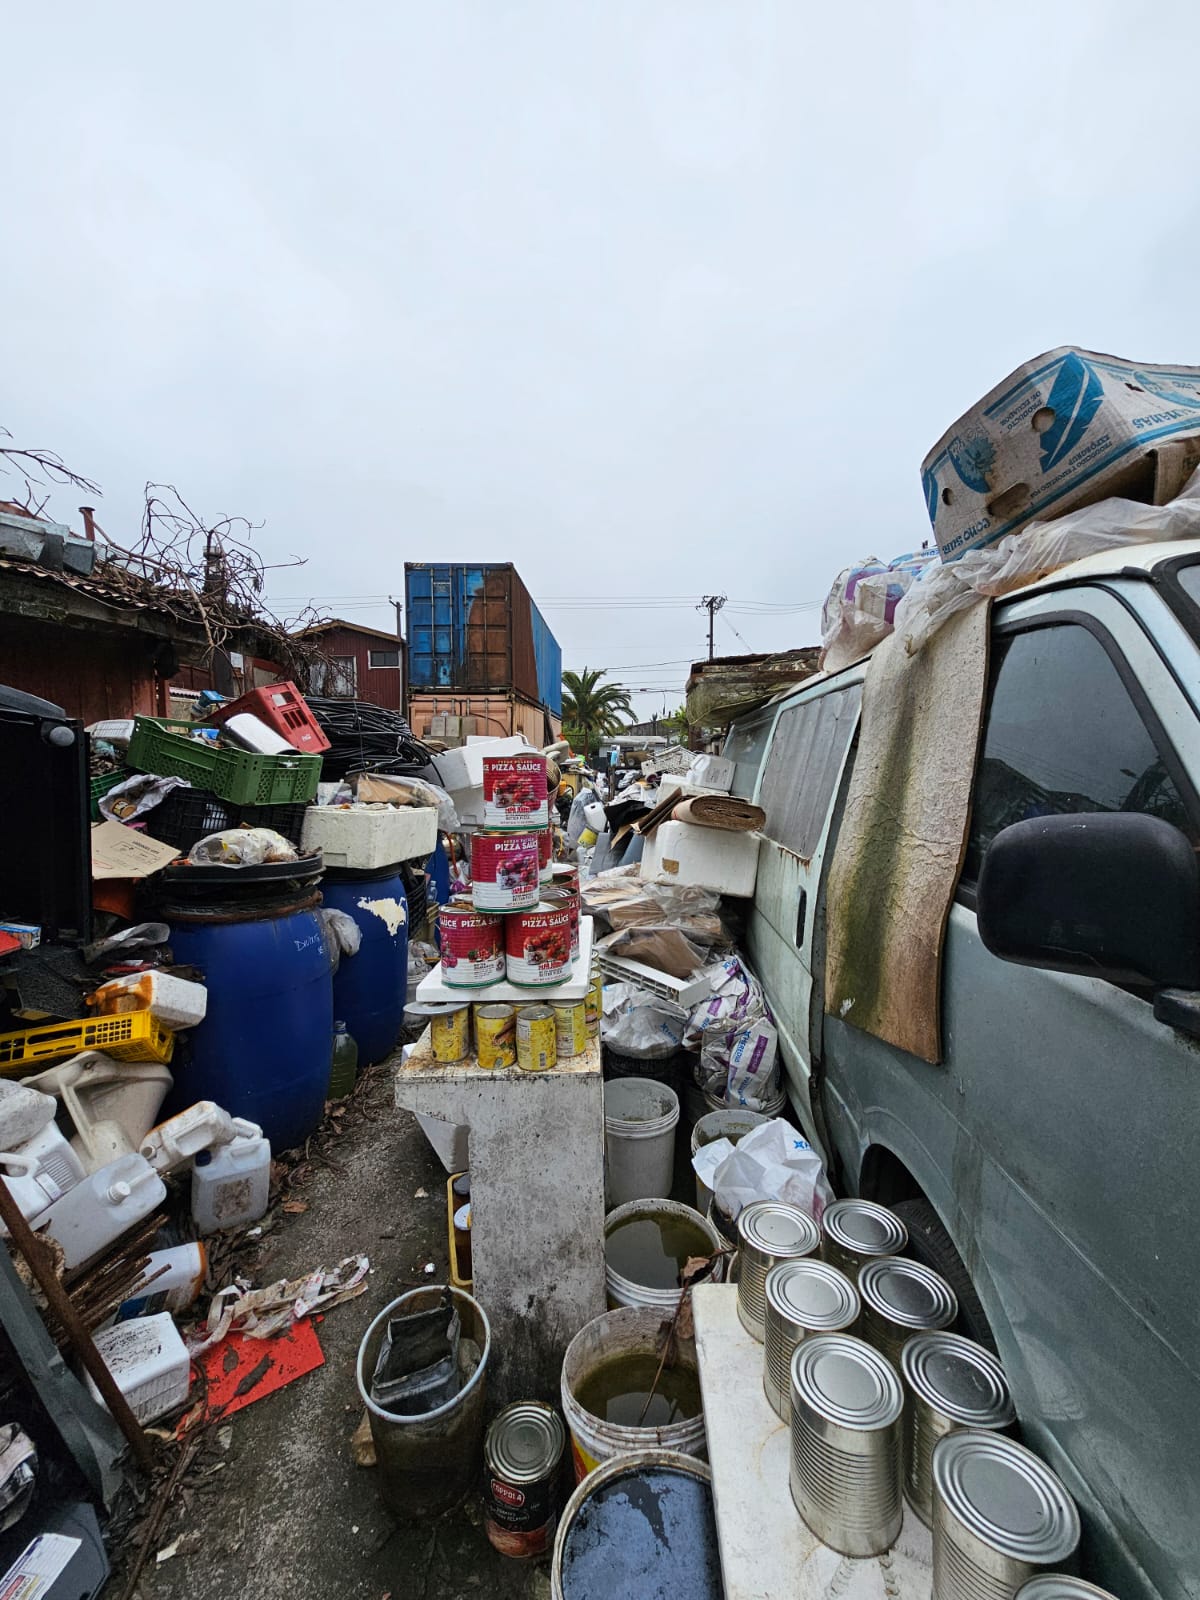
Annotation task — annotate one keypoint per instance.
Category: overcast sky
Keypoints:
(654, 298)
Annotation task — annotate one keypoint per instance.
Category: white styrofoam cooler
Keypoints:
(449, 1142)
(463, 768)
(150, 1363)
(370, 836)
(707, 858)
(716, 772)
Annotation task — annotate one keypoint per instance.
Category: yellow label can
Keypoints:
(594, 1004)
(536, 1048)
(570, 1028)
(450, 1033)
(496, 1036)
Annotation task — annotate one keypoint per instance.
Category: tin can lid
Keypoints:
(524, 1443)
(495, 1010)
(435, 1008)
(813, 1295)
(959, 1379)
(537, 1013)
(864, 1228)
(907, 1293)
(777, 1229)
(1005, 1496)
(1060, 1586)
(846, 1381)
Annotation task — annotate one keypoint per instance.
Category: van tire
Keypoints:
(932, 1246)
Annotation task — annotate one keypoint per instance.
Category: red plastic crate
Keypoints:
(282, 707)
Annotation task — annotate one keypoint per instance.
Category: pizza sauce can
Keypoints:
(514, 792)
(563, 898)
(566, 876)
(538, 943)
(537, 1050)
(522, 1457)
(546, 855)
(504, 871)
(472, 947)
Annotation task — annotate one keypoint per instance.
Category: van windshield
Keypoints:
(1184, 582)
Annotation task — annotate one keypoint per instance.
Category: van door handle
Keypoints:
(801, 918)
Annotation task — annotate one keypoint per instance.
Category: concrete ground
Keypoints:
(287, 1513)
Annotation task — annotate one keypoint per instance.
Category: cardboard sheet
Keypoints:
(903, 837)
(121, 852)
(721, 811)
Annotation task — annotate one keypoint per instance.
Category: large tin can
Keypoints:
(449, 1027)
(900, 1298)
(845, 1473)
(570, 1028)
(769, 1231)
(949, 1382)
(802, 1298)
(566, 876)
(536, 1047)
(514, 792)
(545, 840)
(563, 899)
(504, 871)
(522, 1458)
(472, 946)
(1060, 1586)
(999, 1516)
(539, 946)
(854, 1231)
(496, 1036)
(594, 1003)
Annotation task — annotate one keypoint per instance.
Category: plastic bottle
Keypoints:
(231, 1186)
(40, 1171)
(345, 1063)
(203, 1125)
(174, 1002)
(173, 1289)
(103, 1206)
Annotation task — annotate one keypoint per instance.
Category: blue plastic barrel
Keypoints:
(265, 1048)
(370, 988)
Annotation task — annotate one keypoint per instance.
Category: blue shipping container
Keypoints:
(475, 629)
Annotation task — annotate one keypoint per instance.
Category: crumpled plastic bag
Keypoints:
(860, 608)
(242, 847)
(773, 1162)
(139, 794)
(742, 1066)
(635, 1022)
(343, 936)
(395, 789)
(735, 997)
(262, 1313)
(1037, 550)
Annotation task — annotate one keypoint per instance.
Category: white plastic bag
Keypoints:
(773, 1162)
(1037, 550)
(859, 610)
(137, 796)
(242, 847)
(735, 996)
(638, 1023)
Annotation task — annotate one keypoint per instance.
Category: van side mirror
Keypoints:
(1111, 895)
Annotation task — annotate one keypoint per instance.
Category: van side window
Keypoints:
(1063, 734)
(803, 764)
(744, 747)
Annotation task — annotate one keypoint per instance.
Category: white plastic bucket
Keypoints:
(639, 1139)
(731, 1123)
(628, 1331)
(622, 1291)
(777, 1106)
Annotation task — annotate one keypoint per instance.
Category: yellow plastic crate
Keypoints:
(132, 1036)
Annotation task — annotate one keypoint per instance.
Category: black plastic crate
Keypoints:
(285, 819)
(187, 815)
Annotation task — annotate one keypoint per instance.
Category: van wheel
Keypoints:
(931, 1245)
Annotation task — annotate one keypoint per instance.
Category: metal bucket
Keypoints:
(999, 1515)
(855, 1231)
(845, 1475)
(900, 1298)
(427, 1463)
(768, 1232)
(623, 1291)
(949, 1382)
(732, 1124)
(632, 1521)
(802, 1298)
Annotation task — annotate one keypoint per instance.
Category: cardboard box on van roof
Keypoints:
(1064, 430)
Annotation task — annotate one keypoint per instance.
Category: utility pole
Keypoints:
(711, 603)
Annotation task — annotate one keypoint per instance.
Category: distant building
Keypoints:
(358, 663)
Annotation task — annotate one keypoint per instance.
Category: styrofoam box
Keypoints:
(449, 1142)
(463, 768)
(706, 858)
(370, 836)
(150, 1363)
(715, 771)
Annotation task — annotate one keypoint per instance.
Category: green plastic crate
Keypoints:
(241, 776)
(99, 787)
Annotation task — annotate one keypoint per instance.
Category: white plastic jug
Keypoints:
(113, 1104)
(231, 1186)
(175, 1277)
(174, 1002)
(103, 1206)
(200, 1127)
(39, 1171)
(150, 1363)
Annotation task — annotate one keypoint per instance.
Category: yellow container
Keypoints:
(496, 1036)
(131, 1036)
(537, 1050)
(570, 1028)
(450, 1033)
(452, 1205)
(594, 1004)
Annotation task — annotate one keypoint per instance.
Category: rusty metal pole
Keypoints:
(60, 1302)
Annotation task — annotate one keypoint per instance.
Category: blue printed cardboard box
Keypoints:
(1062, 431)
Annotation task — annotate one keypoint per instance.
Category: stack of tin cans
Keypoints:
(769, 1231)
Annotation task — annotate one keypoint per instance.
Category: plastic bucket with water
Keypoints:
(628, 1332)
(730, 1123)
(427, 1463)
(624, 1291)
(640, 1117)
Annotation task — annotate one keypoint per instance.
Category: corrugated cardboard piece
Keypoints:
(1065, 429)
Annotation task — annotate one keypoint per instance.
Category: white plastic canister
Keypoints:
(640, 1116)
(231, 1186)
(39, 1171)
(106, 1204)
(200, 1127)
(150, 1363)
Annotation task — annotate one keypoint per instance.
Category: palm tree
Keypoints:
(591, 708)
